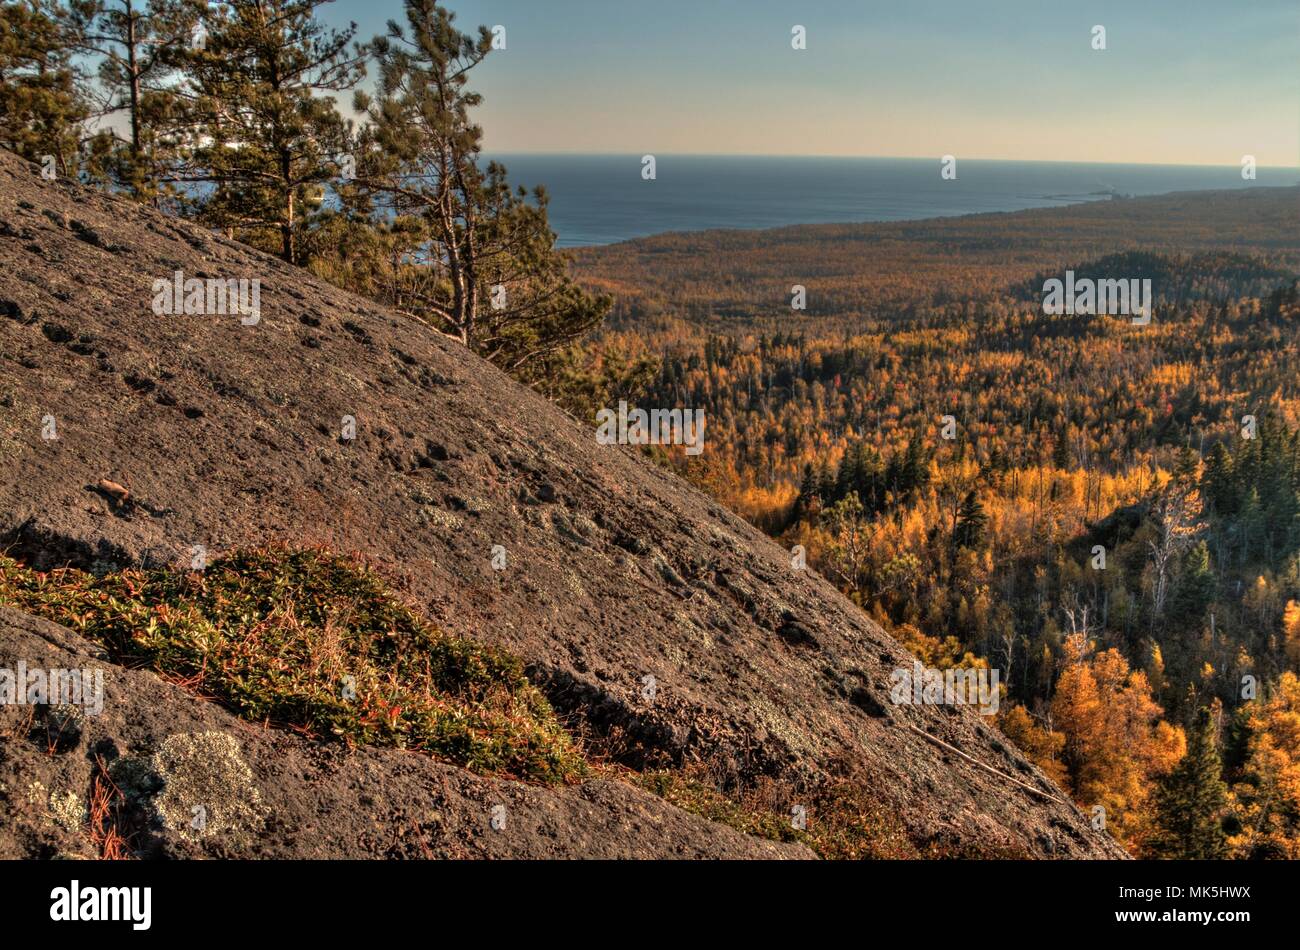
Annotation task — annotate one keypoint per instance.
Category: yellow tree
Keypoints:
(1116, 744)
(1291, 634)
(1042, 745)
(1267, 799)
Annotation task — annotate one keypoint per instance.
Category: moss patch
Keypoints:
(309, 640)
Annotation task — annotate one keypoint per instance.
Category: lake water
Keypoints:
(600, 199)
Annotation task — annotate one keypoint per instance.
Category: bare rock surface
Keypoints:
(228, 434)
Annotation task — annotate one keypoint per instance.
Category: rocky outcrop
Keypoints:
(331, 420)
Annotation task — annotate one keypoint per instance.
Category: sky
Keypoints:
(1180, 81)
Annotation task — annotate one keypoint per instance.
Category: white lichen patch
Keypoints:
(439, 518)
(779, 723)
(207, 787)
(694, 631)
(68, 811)
(675, 655)
(477, 505)
(65, 716)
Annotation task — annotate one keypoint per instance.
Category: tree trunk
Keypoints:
(133, 69)
(287, 251)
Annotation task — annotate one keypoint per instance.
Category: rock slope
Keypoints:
(227, 433)
(266, 793)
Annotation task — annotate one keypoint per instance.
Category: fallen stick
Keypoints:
(970, 758)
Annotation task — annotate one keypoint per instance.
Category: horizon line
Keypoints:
(916, 158)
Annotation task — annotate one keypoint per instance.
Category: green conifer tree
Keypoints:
(138, 44)
(481, 263)
(42, 104)
(971, 522)
(265, 136)
(1192, 800)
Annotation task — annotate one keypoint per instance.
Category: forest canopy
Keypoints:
(1108, 514)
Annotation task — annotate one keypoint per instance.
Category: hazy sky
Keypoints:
(1181, 81)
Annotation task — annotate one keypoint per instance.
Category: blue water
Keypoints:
(600, 199)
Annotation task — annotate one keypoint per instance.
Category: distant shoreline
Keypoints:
(597, 200)
(504, 156)
(749, 235)
(1019, 243)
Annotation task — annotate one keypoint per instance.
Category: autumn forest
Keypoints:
(1106, 513)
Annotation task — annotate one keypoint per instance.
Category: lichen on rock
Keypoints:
(67, 810)
(207, 787)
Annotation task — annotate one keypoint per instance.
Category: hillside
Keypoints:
(1104, 509)
(229, 435)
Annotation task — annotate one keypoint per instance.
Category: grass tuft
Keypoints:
(842, 819)
(845, 818)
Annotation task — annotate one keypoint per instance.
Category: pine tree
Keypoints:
(1061, 453)
(1196, 584)
(1252, 526)
(42, 105)
(488, 272)
(848, 525)
(971, 522)
(1217, 481)
(911, 473)
(1192, 800)
(138, 44)
(264, 136)
(850, 471)
(807, 500)
(825, 485)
